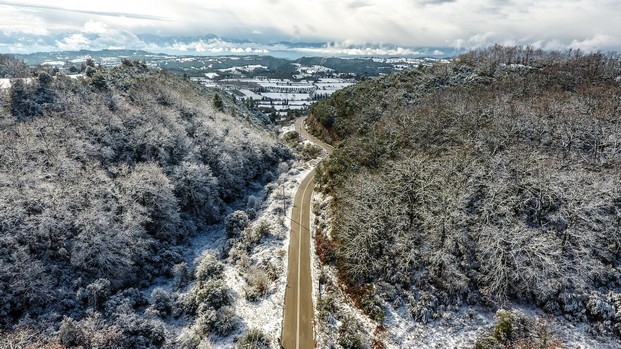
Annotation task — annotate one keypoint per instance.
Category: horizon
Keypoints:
(322, 28)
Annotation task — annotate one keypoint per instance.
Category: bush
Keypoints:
(97, 292)
(235, 222)
(161, 301)
(310, 151)
(258, 283)
(211, 293)
(254, 339)
(181, 275)
(370, 304)
(350, 334)
(513, 329)
(324, 249)
(326, 307)
(69, 334)
(292, 138)
(226, 321)
(208, 268)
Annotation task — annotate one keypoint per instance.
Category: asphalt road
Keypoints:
(298, 322)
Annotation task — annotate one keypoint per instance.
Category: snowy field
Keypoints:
(286, 96)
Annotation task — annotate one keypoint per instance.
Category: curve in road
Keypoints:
(298, 313)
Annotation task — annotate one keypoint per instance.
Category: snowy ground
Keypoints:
(265, 314)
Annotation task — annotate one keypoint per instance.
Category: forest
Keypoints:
(103, 178)
(487, 181)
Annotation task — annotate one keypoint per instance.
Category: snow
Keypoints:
(57, 63)
(287, 96)
(250, 94)
(265, 314)
(5, 83)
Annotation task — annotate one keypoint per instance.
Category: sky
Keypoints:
(342, 26)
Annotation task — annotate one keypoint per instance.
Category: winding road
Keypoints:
(298, 314)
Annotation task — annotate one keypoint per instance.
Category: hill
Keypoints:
(103, 177)
(489, 181)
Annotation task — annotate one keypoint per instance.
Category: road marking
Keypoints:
(308, 185)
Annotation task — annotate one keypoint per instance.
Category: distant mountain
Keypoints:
(199, 65)
(205, 45)
(69, 56)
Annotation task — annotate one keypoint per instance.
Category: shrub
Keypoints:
(97, 292)
(161, 301)
(292, 138)
(370, 304)
(254, 202)
(211, 293)
(181, 275)
(324, 249)
(208, 268)
(258, 284)
(310, 151)
(326, 307)
(351, 334)
(513, 329)
(69, 334)
(235, 222)
(218, 103)
(254, 339)
(226, 321)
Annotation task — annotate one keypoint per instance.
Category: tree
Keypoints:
(218, 103)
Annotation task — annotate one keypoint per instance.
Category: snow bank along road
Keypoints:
(298, 322)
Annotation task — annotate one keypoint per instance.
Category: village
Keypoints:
(280, 96)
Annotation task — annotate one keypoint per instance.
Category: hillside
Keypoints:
(490, 181)
(104, 178)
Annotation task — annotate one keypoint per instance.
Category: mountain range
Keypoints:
(208, 44)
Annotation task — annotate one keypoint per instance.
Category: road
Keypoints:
(298, 322)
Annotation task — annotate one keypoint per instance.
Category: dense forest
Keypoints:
(492, 179)
(103, 177)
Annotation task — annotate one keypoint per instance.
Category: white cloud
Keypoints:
(73, 42)
(94, 27)
(352, 48)
(596, 42)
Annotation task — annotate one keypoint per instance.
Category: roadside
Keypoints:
(253, 264)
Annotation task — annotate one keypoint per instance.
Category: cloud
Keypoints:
(94, 27)
(356, 4)
(596, 42)
(76, 10)
(351, 48)
(73, 42)
(561, 24)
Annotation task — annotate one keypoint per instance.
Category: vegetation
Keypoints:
(513, 329)
(102, 178)
(490, 179)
